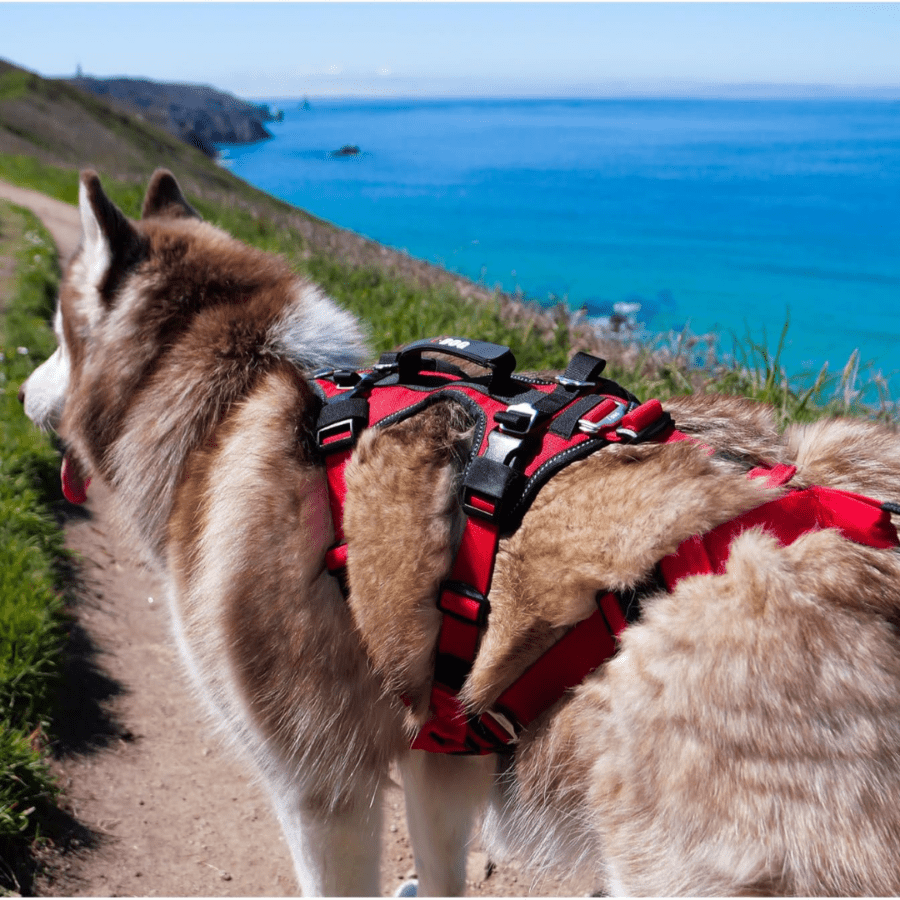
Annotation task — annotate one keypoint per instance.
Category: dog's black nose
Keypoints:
(22, 394)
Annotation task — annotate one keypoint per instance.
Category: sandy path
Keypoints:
(59, 218)
(157, 806)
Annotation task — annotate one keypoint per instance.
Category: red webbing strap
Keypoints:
(566, 664)
(462, 599)
(860, 519)
(335, 463)
(336, 555)
(777, 475)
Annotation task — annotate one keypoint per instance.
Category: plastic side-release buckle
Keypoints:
(517, 419)
(342, 378)
(340, 424)
(492, 481)
(488, 487)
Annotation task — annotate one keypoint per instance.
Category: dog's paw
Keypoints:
(409, 888)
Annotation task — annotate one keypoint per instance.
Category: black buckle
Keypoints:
(488, 485)
(351, 425)
(345, 378)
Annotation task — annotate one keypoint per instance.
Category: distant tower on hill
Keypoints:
(78, 72)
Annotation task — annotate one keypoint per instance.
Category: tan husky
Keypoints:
(744, 739)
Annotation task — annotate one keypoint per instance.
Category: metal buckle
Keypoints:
(623, 407)
(630, 436)
(525, 409)
(573, 383)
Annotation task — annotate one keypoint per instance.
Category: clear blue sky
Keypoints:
(295, 49)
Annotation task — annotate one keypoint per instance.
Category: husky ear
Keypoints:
(109, 242)
(165, 200)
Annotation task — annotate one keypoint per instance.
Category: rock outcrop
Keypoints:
(197, 114)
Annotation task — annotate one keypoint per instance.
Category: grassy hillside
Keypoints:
(49, 130)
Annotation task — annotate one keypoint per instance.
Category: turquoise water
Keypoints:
(724, 216)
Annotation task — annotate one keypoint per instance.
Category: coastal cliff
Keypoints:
(196, 114)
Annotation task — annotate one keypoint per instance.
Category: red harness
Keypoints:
(526, 430)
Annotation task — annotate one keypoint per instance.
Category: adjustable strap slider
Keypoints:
(463, 602)
(488, 488)
(340, 423)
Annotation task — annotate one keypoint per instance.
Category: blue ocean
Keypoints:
(716, 216)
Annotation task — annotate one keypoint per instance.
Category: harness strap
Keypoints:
(463, 600)
(544, 429)
(860, 519)
(567, 663)
(336, 555)
(593, 640)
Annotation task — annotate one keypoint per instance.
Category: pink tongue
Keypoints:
(74, 487)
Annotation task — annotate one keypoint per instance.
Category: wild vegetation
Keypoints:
(31, 605)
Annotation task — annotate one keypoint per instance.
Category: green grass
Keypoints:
(15, 84)
(398, 312)
(28, 172)
(31, 606)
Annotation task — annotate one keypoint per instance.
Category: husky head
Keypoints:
(109, 248)
(163, 324)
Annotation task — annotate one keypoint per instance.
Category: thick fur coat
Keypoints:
(746, 736)
(744, 739)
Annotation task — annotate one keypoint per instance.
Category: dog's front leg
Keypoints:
(444, 796)
(335, 854)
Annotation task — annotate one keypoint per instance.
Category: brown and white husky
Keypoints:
(744, 739)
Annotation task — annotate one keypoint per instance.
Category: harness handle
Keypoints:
(496, 357)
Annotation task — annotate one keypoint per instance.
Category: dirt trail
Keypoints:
(157, 807)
